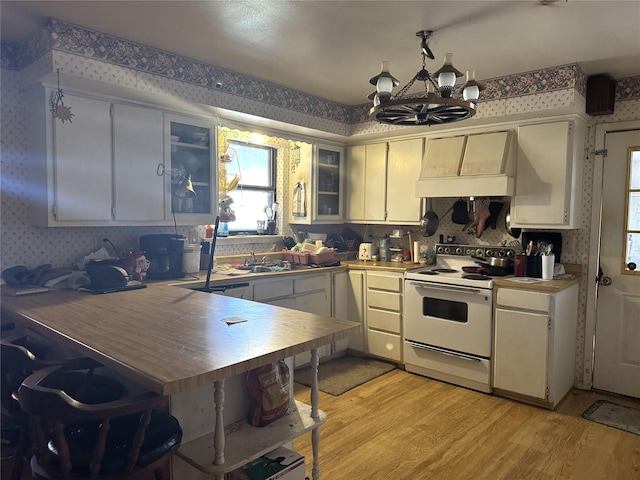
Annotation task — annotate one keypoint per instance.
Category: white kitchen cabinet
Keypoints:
(340, 305)
(137, 150)
(534, 344)
(403, 163)
(356, 308)
(366, 183)
(101, 167)
(307, 293)
(190, 153)
(317, 184)
(70, 162)
(377, 182)
(549, 175)
(383, 318)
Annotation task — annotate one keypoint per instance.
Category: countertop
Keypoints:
(399, 267)
(229, 276)
(173, 339)
(540, 285)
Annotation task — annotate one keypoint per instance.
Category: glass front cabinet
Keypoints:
(190, 164)
(317, 181)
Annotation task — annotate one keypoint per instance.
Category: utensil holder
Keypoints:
(533, 266)
(519, 265)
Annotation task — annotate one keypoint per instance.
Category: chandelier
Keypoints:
(436, 106)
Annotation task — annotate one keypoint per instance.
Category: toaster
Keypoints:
(366, 251)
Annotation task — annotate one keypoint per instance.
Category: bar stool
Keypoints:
(120, 439)
(17, 361)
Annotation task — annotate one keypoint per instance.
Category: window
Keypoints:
(632, 217)
(255, 166)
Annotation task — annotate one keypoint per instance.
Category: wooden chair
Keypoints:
(17, 361)
(121, 439)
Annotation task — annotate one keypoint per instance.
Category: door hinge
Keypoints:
(113, 212)
(54, 211)
(602, 152)
(549, 322)
(546, 393)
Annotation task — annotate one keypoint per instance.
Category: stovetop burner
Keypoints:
(475, 276)
(444, 270)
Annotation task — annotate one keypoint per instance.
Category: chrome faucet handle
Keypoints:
(264, 259)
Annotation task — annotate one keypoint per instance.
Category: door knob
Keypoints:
(631, 266)
(605, 281)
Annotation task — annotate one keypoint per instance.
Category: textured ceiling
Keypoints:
(332, 48)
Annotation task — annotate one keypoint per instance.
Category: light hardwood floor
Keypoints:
(403, 426)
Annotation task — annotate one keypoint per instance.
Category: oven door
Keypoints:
(450, 317)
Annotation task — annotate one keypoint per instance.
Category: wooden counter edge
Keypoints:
(544, 285)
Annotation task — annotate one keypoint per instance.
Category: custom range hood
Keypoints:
(478, 165)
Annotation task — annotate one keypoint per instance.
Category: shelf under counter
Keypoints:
(244, 443)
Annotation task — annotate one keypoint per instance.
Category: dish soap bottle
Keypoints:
(224, 230)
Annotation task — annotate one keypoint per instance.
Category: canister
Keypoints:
(191, 258)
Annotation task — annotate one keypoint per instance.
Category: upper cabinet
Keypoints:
(190, 157)
(377, 176)
(317, 184)
(137, 148)
(403, 161)
(549, 175)
(366, 182)
(102, 165)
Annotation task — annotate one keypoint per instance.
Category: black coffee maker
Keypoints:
(164, 251)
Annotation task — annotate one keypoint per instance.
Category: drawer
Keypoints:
(385, 345)
(385, 281)
(311, 283)
(384, 320)
(523, 299)
(270, 289)
(385, 300)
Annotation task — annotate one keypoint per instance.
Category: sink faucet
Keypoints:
(253, 258)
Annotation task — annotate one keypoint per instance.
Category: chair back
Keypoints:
(106, 440)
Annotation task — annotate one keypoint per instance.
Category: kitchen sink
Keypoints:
(297, 266)
(258, 268)
(262, 268)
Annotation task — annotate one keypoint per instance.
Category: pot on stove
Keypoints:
(494, 261)
(489, 270)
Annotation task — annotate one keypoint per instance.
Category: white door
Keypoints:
(617, 332)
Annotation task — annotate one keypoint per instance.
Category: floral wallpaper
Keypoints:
(86, 54)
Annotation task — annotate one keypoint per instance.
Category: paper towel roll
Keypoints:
(416, 252)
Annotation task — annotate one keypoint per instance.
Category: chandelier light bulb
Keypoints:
(471, 89)
(385, 81)
(447, 74)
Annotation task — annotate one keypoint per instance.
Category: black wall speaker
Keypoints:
(601, 94)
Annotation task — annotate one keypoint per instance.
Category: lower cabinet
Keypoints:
(534, 349)
(356, 308)
(308, 293)
(383, 315)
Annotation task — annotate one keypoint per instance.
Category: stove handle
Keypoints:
(448, 288)
(444, 352)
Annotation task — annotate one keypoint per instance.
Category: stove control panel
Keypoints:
(474, 250)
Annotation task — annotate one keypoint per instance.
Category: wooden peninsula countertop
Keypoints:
(172, 339)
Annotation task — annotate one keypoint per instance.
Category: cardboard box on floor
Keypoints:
(280, 464)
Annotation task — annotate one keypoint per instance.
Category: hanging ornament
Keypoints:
(58, 108)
